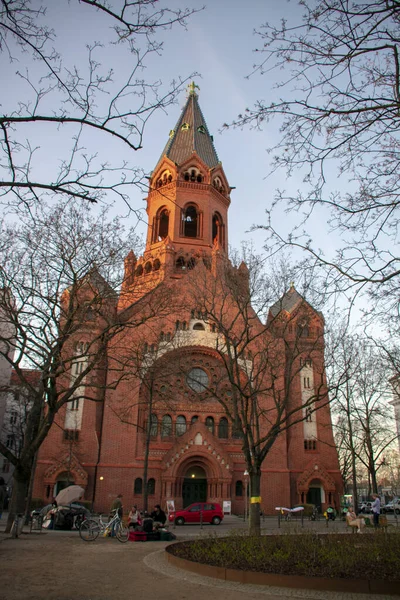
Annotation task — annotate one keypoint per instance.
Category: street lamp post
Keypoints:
(246, 475)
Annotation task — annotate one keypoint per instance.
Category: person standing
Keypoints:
(116, 508)
(376, 509)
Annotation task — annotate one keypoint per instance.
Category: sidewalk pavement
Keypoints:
(58, 565)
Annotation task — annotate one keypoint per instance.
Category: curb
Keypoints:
(366, 586)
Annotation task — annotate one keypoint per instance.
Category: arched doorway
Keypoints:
(194, 488)
(63, 480)
(315, 494)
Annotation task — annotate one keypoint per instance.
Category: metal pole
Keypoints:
(201, 519)
(302, 518)
(279, 519)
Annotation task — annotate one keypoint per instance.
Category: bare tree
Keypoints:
(82, 101)
(142, 364)
(63, 315)
(339, 107)
(260, 363)
(364, 419)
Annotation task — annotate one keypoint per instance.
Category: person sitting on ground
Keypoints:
(354, 521)
(159, 517)
(134, 517)
(147, 523)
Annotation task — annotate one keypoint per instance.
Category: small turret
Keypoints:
(130, 265)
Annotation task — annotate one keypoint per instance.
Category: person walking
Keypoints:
(376, 509)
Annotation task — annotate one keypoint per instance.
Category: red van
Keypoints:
(211, 513)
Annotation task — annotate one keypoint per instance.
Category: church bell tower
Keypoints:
(187, 204)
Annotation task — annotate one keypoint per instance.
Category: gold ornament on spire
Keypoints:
(191, 88)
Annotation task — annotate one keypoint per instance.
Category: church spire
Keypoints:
(191, 134)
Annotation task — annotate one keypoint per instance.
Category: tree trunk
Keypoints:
(374, 482)
(19, 495)
(354, 480)
(147, 450)
(255, 504)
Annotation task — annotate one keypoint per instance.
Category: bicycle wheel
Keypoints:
(122, 532)
(89, 530)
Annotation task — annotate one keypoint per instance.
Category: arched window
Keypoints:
(163, 224)
(194, 420)
(148, 267)
(180, 264)
(239, 489)
(153, 425)
(217, 183)
(151, 487)
(190, 220)
(223, 428)
(236, 432)
(191, 263)
(166, 429)
(138, 487)
(139, 270)
(198, 327)
(177, 325)
(217, 228)
(180, 425)
(210, 424)
(156, 265)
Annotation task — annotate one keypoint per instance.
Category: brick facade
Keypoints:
(191, 443)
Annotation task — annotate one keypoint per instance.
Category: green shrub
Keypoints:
(375, 556)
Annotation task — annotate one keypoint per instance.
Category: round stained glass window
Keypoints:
(197, 380)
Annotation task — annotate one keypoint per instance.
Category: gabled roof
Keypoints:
(289, 302)
(99, 283)
(191, 135)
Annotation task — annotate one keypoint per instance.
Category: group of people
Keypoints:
(148, 521)
(354, 521)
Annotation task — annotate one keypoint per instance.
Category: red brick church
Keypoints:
(194, 453)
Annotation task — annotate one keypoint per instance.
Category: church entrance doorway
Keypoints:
(63, 480)
(194, 488)
(315, 493)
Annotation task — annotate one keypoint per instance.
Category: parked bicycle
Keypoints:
(92, 528)
(315, 514)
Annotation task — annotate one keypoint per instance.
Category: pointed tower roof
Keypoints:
(191, 135)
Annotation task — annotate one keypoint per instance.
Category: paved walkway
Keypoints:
(58, 565)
